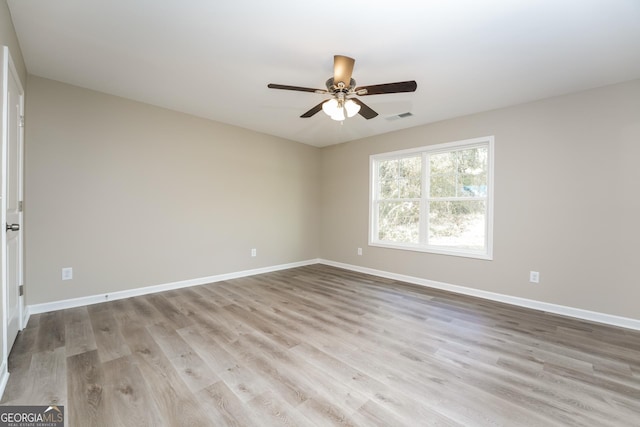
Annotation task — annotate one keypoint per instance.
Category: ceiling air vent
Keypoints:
(399, 116)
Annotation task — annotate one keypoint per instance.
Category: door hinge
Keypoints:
(21, 121)
(21, 290)
(20, 206)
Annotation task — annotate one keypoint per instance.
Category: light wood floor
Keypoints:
(322, 346)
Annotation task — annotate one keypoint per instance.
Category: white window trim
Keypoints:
(422, 247)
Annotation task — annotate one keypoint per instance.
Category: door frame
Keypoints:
(8, 68)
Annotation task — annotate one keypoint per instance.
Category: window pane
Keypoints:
(388, 179)
(460, 224)
(399, 222)
(410, 176)
(409, 189)
(472, 172)
(461, 173)
(387, 169)
(472, 185)
(442, 163)
(442, 185)
(400, 178)
(472, 161)
(389, 189)
(442, 182)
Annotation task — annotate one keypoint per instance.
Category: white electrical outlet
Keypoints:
(67, 273)
(254, 252)
(359, 251)
(534, 277)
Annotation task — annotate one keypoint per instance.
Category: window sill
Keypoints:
(440, 251)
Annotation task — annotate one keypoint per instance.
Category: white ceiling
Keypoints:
(213, 59)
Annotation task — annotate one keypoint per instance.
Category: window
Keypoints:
(434, 199)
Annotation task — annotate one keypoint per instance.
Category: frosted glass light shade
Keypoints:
(351, 107)
(330, 107)
(338, 115)
(339, 110)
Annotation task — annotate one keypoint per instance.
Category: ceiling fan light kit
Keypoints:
(342, 103)
(337, 109)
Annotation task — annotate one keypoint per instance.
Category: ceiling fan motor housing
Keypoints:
(340, 87)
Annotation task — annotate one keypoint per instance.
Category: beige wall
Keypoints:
(567, 179)
(131, 195)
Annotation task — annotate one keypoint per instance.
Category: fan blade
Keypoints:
(365, 111)
(314, 110)
(298, 88)
(409, 86)
(342, 69)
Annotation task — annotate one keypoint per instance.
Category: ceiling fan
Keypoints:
(342, 89)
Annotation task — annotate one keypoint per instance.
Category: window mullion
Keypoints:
(377, 200)
(424, 204)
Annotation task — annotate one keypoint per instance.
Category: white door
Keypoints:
(13, 98)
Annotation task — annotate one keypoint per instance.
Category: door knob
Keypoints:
(13, 227)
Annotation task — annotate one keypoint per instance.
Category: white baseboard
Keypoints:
(95, 299)
(578, 313)
(4, 377)
(593, 316)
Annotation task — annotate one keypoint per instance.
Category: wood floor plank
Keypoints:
(255, 321)
(51, 331)
(169, 311)
(225, 406)
(143, 312)
(272, 411)
(109, 340)
(325, 413)
(126, 395)
(190, 366)
(208, 292)
(321, 331)
(213, 320)
(85, 380)
(244, 382)
(175, 402)
(208, 348)
(46, 382)
(306, 375)
(384, 401)
(373, 414)
(78, 331)
(126, 313)
(318, 345)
